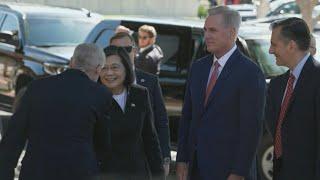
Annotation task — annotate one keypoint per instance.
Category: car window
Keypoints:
(259, 51)
(10, 23)
(317, 55)
(289, 8)
(57, 31)
(104, 38)
(170, 46)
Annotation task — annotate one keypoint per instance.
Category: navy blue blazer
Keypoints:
(224, 134)
(159, 110)
(62, 117)
(301, 126)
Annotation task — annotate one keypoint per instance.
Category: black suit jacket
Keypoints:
(62, 117)
(157, 103)
(149, 60)
(300, 128)
(135, 147)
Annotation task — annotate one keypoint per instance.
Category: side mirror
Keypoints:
(9, 37)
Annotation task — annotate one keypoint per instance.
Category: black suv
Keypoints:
(36, 41)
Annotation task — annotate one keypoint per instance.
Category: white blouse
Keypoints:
(121, 99)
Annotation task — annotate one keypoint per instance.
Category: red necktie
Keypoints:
(212, 82)
(284, 106)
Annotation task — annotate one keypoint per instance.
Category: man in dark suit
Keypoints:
(150, 55)
(63, 118)
(223, 107)
(293, 103)
(152, 84)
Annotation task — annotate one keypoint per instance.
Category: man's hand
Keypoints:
(182, 171)
(235, 177)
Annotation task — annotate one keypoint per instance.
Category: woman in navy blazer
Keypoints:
(135, 148)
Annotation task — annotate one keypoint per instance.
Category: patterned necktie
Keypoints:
(212, 82)
(284, 106)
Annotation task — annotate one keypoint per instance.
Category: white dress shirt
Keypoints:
(222, 62)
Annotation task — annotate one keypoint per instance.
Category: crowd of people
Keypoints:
(105, 118)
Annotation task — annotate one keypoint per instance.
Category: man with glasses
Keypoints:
(150, 55)
(151, 82)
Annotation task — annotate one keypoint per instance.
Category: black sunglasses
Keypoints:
(128, 49)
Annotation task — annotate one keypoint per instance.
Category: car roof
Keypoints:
(252, 31)
(44, 11)
(186, 22)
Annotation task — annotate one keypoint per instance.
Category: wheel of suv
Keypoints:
(265, 158)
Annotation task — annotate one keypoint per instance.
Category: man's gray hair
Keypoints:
(231, 18)
(87, 56)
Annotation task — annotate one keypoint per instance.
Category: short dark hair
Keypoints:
(125, 60)
(295, 29)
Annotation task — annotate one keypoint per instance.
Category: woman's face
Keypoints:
(113, 74)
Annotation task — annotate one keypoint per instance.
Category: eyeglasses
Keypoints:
(114, 68)
(128, 49)
(143, 37)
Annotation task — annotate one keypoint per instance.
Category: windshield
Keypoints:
(57, 31)
(259, 50)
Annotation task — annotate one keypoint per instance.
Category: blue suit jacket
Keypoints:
(224, 134)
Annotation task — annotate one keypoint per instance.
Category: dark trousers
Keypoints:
(194, 172)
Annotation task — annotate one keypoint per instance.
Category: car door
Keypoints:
(10, 59)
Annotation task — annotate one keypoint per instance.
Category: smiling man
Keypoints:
(223, 106)
(293, 103)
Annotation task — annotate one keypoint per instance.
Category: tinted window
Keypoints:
(170, 46)
(57, 31)
(10, 24)
(317, 55)
(259, 50)
(104, 38)
(289, 8)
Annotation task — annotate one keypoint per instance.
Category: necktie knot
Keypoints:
(216, 65)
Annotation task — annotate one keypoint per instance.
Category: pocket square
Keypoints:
(133, 105)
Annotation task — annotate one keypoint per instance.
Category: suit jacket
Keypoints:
(225, 133)
(135, 150)
(157, 104)
(149, 60)
(62, 117)
(300, 128)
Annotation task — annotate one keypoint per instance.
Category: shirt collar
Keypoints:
(223, 59)
(297, 70)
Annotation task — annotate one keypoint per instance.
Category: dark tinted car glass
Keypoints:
(170, 46)
(57, 31)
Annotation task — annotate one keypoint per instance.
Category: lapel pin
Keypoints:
(142, 80)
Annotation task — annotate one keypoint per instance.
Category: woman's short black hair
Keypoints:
(125, 60)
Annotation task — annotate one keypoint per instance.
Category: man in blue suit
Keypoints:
(223, 107)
